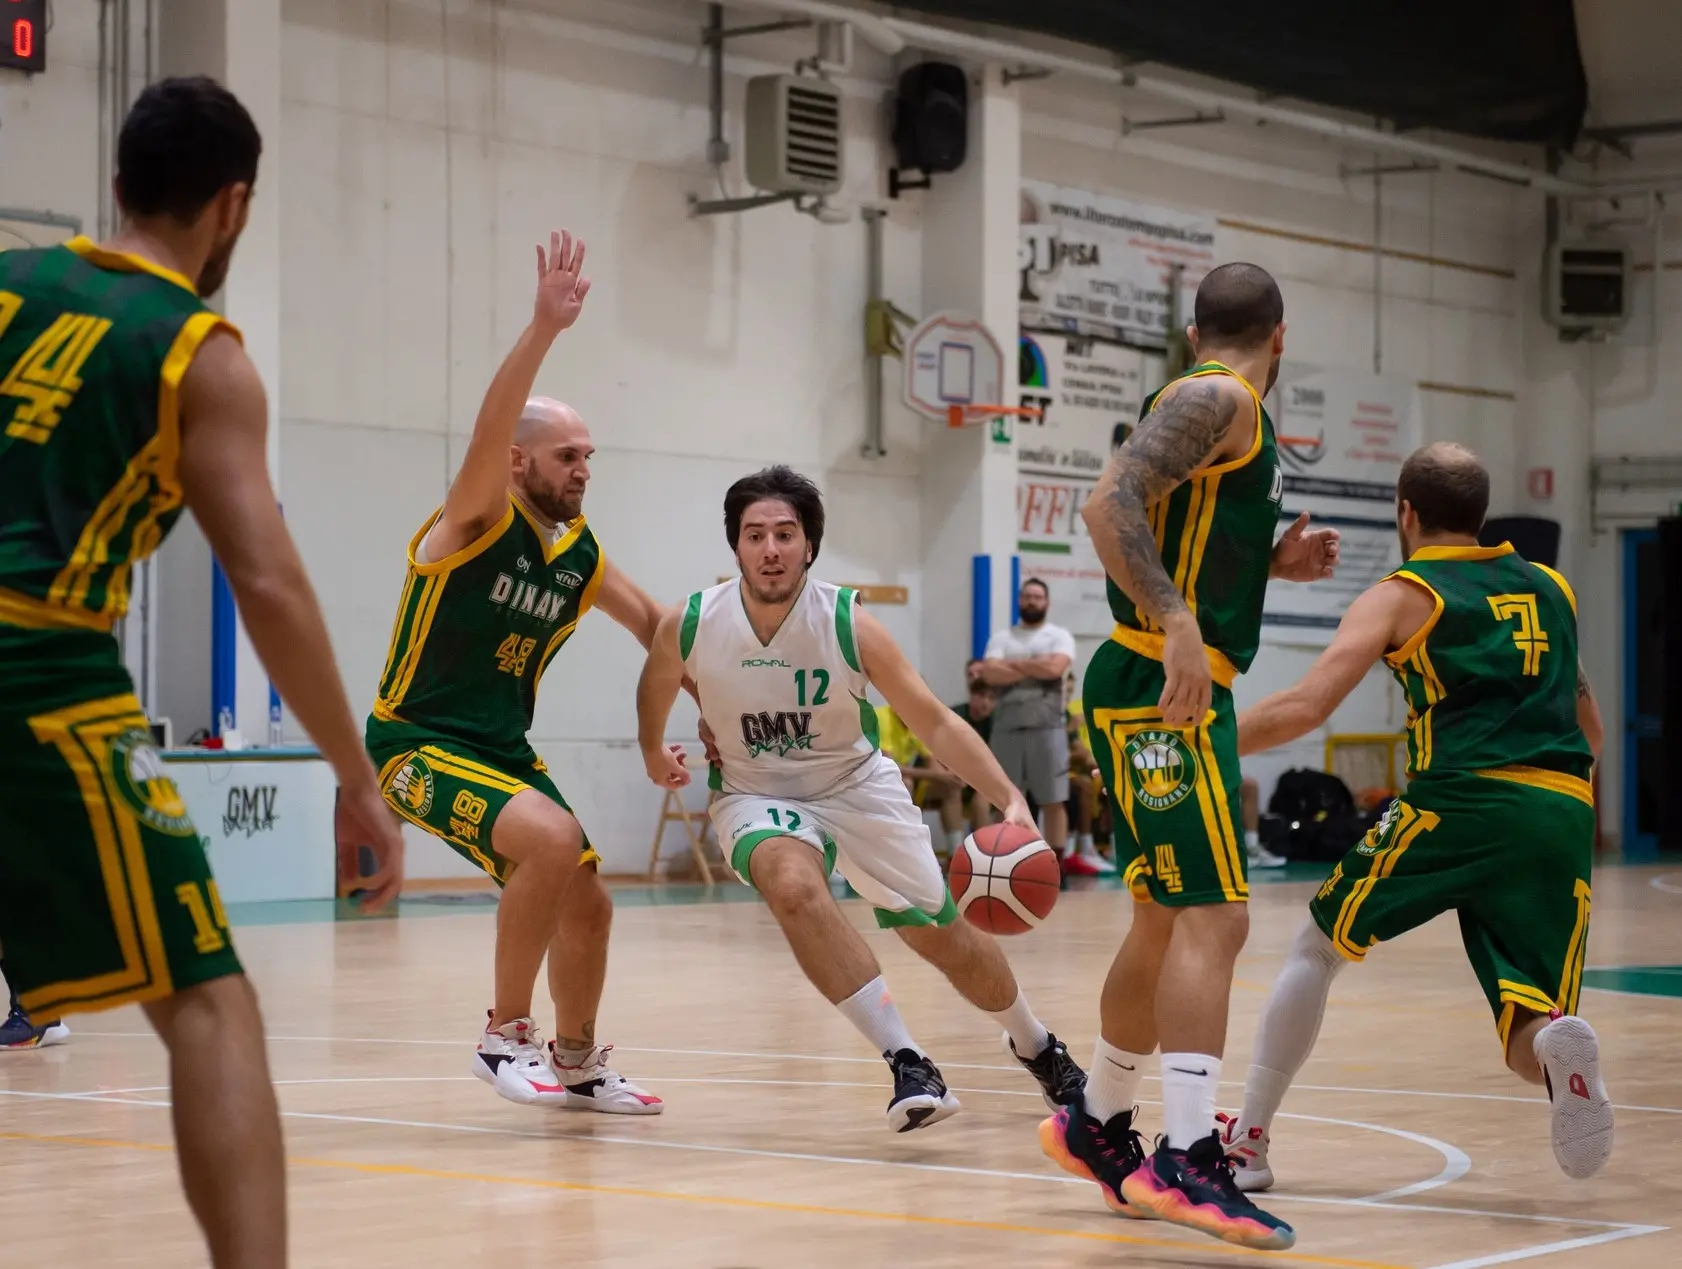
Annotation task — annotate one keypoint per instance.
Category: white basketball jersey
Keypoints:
(791, 716)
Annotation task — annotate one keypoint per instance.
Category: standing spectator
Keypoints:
(1027, 664)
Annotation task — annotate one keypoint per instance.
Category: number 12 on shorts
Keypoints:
(777, 814)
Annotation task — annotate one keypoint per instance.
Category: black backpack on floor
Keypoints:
(1316, 819)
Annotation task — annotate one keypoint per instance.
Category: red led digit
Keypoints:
(23, 37)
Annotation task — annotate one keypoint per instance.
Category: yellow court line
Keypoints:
(719, 1200)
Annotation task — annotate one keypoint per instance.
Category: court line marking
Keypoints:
(1549, 1249)
(1663, 882)
(765, 1205)
(949, 1066)
(848, 1160)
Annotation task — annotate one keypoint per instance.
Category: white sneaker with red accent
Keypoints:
(1247, 1152)
(510, 1059)
(1569, 1052)
(592, 1084)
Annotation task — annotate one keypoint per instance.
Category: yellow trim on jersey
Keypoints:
(1225, 841)
(563, 544)
(93, 547)
(82, 734)
(1525, 996)
(125, 262)
(1233, 464)
(17, 609)
(1425, 749)
(1188, 532)
(1402, 655)
(1148, 643)
(1538, 778)
(396, 633)
(1383, 864)
(587, 600)
(1571, 981)
(1461, 552)
(1200, 543)
(454, 764)
(478, 546)
(1564, 586)
(432, 590)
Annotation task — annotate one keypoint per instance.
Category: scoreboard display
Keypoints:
(23, 35)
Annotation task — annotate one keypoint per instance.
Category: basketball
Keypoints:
(1004, 879)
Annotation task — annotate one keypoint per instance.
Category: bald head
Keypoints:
(545, 418)
(1447, 487)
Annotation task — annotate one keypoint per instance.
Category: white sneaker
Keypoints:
(510, 1059)
(1104, 866)
(1247, 1152)
(1569, 1052)
(594, 1085)
(1261, 857)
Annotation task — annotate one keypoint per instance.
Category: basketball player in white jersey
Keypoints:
(783, 665)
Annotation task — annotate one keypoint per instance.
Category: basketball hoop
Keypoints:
(959, 414)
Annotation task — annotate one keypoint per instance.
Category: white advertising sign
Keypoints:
(266, 822)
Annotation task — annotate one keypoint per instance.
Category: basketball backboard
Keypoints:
(951, 359)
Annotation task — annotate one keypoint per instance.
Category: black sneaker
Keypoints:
(1061, 1080)
(1106, 1153)
(1195, 1188)
(920, 1097)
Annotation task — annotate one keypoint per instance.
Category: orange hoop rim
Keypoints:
(958, 414)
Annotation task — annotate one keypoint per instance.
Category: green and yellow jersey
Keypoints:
(475, 631)
(1215, 533)
(1491, 677)
(93, 348)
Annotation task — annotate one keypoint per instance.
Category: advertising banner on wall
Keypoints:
(1345, 434)
(266, 823)
(1094, 264)
(1088, 392)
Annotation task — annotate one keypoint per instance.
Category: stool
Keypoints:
(672, 809)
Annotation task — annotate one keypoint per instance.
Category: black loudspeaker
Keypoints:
(931, 123)
(1532, 537)
(1670, 714)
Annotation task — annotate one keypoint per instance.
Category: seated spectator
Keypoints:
(1086, 801)
(933, 786)
(1249, 804)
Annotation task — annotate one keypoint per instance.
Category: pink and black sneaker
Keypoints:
(1104, 1153)
(1195, 1188)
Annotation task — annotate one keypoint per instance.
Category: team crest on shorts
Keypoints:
(1164, 770)
(411, 787)
(137, 770)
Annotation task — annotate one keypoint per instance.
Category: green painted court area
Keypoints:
(1637, 980)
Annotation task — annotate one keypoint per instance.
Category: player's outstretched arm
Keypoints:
(662, 679)
(629, 605)
(225, 479)
(478, 497)
(1194, 422)
(1588, 713)
(1368, 628)
(948, 738)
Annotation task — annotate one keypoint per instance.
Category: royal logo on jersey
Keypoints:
(1164, 770)
(762, 663)
(411, 787)
(524, 597)
(137, 770)
(780, 733)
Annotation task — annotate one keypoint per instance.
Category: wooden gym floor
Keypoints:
(1406, 1143)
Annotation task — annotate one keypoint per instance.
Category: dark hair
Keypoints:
(783, 484)
(1447, 487)
(184, 142)
(1034, 581)
(1238, 305)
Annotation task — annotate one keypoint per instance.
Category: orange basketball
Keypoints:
(1004, 879)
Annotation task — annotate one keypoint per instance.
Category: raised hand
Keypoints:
(561, 286)
(1303, 554)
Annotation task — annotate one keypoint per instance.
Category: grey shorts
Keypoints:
(1037, 762)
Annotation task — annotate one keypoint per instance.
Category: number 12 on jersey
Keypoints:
(820, 686)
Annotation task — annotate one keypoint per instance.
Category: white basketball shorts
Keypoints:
(871, 833)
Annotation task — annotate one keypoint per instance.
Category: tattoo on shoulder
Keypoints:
(1583, 688)
(1174, 440)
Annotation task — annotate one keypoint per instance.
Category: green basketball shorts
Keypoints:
(106, 896)
(1509, 851)
(1174, 790)
(456, 792)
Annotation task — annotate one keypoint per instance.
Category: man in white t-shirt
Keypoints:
(1027, 663)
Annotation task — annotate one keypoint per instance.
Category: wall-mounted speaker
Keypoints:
(931, 123)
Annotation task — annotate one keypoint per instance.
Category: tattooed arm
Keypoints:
(1194, 421)
(1588, 713)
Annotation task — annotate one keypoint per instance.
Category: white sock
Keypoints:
(1083, 844)
(1252, 840)
(872, 1010)
(1189, 1083)
(1290, 1024)
(1027, 1036)
(1113, 1081)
